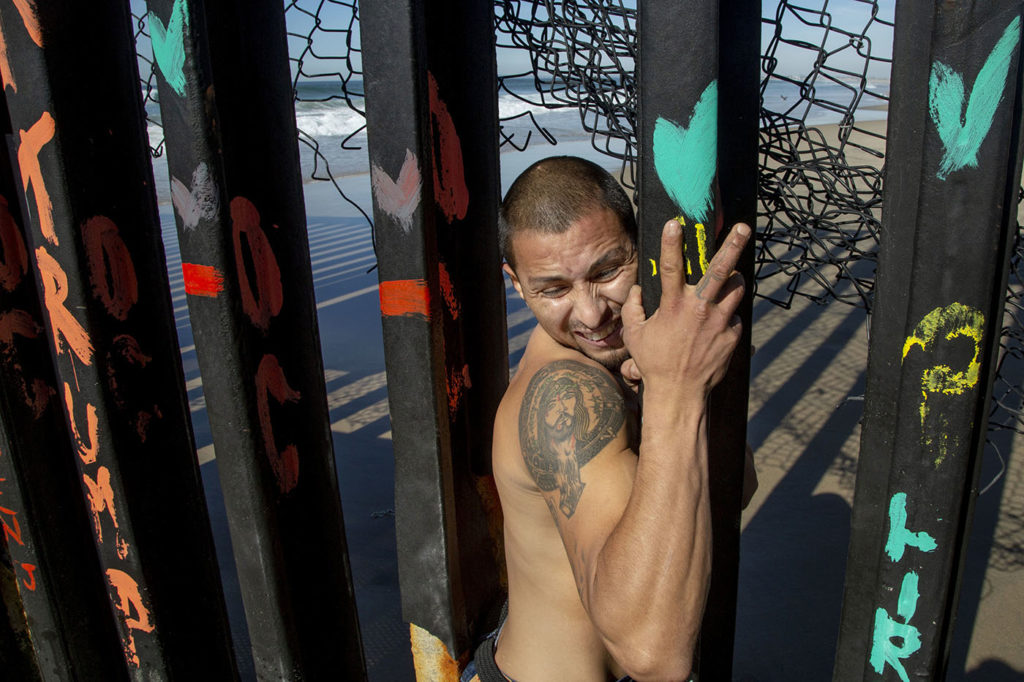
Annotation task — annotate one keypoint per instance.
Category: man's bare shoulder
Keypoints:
(561, 410)
(549, 377)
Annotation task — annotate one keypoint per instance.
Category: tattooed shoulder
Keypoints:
(570, 412)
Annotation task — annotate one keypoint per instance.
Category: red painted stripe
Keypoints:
(405, 297)
(202, 280)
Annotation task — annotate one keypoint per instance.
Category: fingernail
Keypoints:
(673, 228)
(743, 229)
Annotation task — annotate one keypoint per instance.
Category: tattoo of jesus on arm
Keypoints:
(570, 412)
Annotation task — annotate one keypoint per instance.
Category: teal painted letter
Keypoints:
(962, 132)
(899, 536)
(883, 649)
(169, 45)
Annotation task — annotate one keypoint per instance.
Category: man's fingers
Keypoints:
(731, 295)
(672, 268)
(630, 372)
(723, 263)
(633, 309)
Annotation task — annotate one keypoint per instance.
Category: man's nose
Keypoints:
(590, 309)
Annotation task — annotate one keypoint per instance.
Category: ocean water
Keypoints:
(324, 115)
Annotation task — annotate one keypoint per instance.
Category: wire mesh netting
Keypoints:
(824, 95)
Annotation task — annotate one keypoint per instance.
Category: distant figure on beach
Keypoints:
(607, 521)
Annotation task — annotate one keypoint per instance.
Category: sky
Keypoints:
(799, 25)
(854, 16)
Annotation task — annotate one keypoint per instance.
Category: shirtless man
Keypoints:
(607, 524)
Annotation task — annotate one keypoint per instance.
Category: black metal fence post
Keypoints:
(738, 117)
(432, 120)
(55, 567)
(953, 167)
(245, 259)
(95, 245)
(708, 181)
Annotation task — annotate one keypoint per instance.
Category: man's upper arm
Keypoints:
(573, 436)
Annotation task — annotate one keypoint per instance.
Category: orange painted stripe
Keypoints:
(202, 280)
(405, 297)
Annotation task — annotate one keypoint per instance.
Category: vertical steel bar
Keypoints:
(738, 118)
(42, 511)
(953, 163)
(242, 231)
(677, 124)
(95, 245)
(432, 122)
(463, 103)
(686, 168)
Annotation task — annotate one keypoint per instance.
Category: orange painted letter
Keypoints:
(32, 141)
(27, 10)
(11, 532)
(55, 293)
(111, 271)
(270, 380)
(29, 584)
(128, 600)
(100, 496)
(265, 302)
(86, 452)
(450, 191)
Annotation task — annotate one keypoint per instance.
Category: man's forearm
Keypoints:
(648, 587)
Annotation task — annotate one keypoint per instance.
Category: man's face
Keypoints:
(576, 283)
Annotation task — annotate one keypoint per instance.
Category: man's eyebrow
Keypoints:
(617, 254)
(538, 282)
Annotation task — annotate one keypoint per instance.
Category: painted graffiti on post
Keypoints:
(895, 639)
(12, 534)
(450, 189)
(32, 141)
(262, 300)
(398, 198)
(263, 295)
(112, 276)
(201, 201)
(169, 46)
(202, 280)
(963, 123)
(686, 161)
(944, 324)
(946, 347)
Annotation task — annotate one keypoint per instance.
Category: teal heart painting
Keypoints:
(169, 45)
(685, 158)
(962, 132)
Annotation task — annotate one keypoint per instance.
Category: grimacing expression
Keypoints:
(576, 283)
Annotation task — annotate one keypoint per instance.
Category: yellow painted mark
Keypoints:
(951, 322)
(682, 223)
(430, 657)
(654, 267)
(702, 247)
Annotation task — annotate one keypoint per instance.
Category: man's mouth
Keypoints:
(608, 335)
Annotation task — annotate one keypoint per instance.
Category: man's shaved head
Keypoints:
(554, 193)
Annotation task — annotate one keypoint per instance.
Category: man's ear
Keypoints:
(515, 280)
